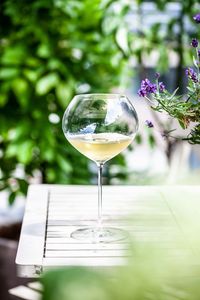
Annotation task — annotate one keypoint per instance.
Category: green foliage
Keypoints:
(49, 51)
(194, 137)
(74, 284)
(150, 274)
(183, 110)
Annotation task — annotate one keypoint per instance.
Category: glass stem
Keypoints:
(100, 169)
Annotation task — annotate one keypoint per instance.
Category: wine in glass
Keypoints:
(100, 126)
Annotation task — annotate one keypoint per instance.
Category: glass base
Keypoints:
(100, 235)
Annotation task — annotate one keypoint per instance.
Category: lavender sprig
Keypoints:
(184, 109)
(196, 18)
(191, 75)
(194, 43)
(147, 88)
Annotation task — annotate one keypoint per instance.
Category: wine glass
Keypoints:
(100, 126)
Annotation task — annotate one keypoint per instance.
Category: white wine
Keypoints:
(100, 147)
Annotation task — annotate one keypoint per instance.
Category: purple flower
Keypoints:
(149, 124)
(146, 83)
(199, 53)
(157, 75)
(194, 43)
(152, 88)
(161, 86)
(147, 87)
(191, 74)
(197, 18)
(142, 93)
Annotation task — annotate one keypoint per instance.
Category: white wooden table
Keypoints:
(147, 213)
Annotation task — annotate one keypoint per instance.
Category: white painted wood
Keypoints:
(149, 214)
(31, 244)
(24, 292)
(136, 227)
(79, 261)
(30, 292)
(137, 238)
(37, 286)
(135, 219)
(86, 253)
(99, 246)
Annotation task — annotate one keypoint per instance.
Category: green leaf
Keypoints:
(64, 93)
(48, 154)
(8, 73)
(151, 141)
(50, 174)
(46, 83)
(55, 64)
(21, 131)
(21, 90)
(44, 50)
(173, 94)
(11, 198)
(190, 89)
(11, 150)
(182, 124)
(14, 54)
(110, 23)
(23, 184)
(31, 75)
(3, 99)
(25, 150)
(64, 164)
(122, 39)
(138, 139)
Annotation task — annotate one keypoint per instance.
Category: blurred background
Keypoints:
(51, 50)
